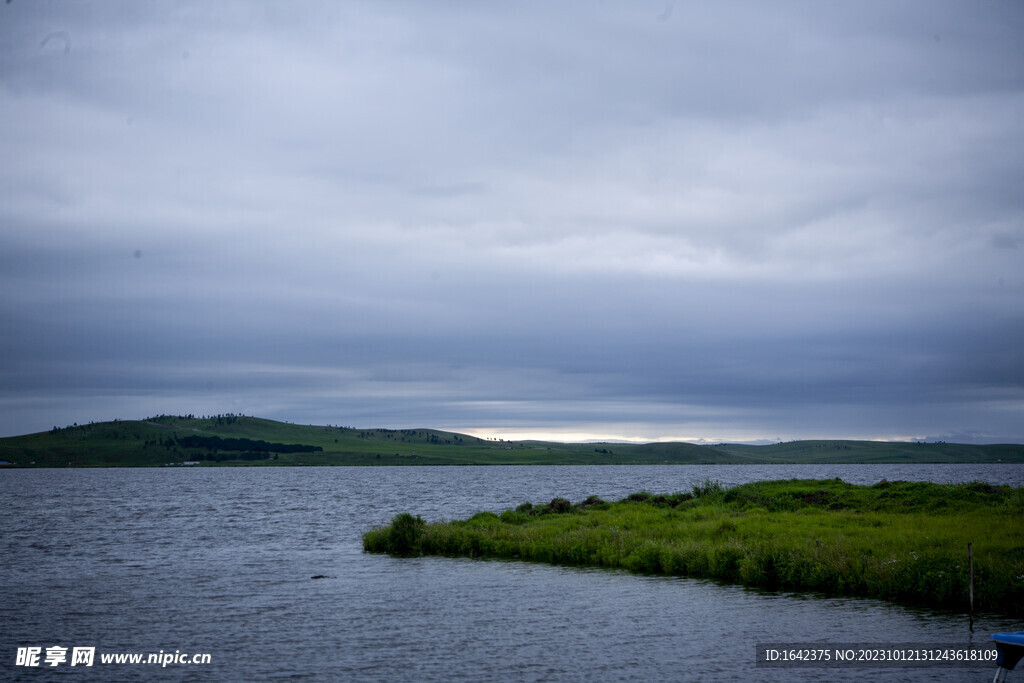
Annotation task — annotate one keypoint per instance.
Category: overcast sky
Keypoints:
(643, 220)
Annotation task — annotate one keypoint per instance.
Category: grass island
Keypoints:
(899, 541)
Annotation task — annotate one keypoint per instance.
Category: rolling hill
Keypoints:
(237, 440)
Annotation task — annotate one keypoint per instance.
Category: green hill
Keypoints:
(236, 440)
(837, 451)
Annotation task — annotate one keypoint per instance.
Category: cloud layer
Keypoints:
(596, 220)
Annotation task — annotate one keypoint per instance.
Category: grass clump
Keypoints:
(708, 489)
(900, 541)
(401, 537)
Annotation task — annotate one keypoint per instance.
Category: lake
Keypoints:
(221, 560)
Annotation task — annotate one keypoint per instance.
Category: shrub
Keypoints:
(404, 534)
(559, 505)
(593, 503)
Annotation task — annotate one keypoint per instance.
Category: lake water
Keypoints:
(220, 560)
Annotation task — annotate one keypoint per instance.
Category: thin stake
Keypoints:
(970, 584)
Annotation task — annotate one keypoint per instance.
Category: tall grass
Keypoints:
(898, 541)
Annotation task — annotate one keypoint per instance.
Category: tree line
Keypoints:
(216, 443)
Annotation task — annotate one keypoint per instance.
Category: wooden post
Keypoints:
(970, 583)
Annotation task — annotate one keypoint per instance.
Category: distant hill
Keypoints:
(849, 452)
(237, 440)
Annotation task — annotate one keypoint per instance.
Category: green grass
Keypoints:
(150, 442)
(899, 541)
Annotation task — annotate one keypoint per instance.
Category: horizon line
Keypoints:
(572, 436)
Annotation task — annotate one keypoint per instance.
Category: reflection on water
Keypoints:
(221, 560)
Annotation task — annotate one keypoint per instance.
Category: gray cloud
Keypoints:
(712, 222)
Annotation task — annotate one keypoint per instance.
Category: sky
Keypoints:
(720, 221)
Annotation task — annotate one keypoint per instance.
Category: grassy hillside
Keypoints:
(216, 441)
(836, 451)
(159, 440)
